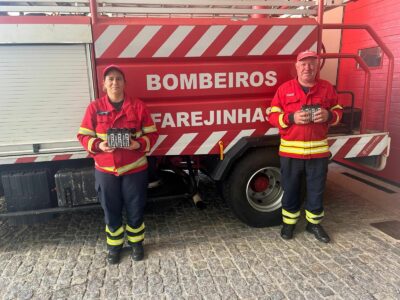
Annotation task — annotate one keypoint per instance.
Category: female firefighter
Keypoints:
(117, 131)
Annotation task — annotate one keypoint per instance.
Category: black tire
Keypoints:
(253, 189)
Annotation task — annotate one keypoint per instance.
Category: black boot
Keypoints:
(318, 232)
(137, 251)
(113, 257)
(287, 231)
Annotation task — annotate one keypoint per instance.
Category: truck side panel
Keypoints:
(207, 82)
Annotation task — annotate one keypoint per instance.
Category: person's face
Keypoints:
(307, 69)
(114, 83)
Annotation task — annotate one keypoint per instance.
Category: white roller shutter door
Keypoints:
(45, 90)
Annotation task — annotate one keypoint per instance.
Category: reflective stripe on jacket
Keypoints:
(100, 116)
(308, 140)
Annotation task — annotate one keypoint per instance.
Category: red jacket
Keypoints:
(308, 140)
(100, 116)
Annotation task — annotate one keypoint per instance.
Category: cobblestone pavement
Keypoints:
(209, 254)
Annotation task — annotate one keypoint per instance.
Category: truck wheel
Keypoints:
(253, 189)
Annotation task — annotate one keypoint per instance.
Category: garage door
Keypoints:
(45, 90)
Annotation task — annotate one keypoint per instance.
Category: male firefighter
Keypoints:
(117, 131)
(303, 108)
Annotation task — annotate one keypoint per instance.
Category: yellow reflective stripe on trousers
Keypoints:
(289, 214)
(290, 218)
(136, 239)
(304, 144)
(135, 230)
(117, 232)
(311, 215)
(112, 242)
(314, 219)
(111, 236)
(283, 125)
(86, 131)
(300, 151)
(289, 221)
(139, 163)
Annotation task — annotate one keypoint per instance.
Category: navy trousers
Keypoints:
(293, 171)
(118, 192)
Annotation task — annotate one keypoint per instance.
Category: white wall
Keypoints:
(331, 39)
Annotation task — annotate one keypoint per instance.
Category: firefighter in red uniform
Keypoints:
(120, 173)
(303, 109)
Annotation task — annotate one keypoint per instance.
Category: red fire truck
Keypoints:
(207, 71)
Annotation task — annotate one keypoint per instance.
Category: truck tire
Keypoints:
(253, 189)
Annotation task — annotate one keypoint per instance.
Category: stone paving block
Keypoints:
(19, 290)
(79, 279)
(313, 295)
(110, 293)
(276, 295)
(209, 254)
(173, 290)
(61, 293)
(190, 287)
(47, 295)
(155, 284)
(295, 295)
(324, 291)
(207, 291)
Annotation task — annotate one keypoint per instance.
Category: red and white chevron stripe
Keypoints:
(42, 158)
(197, 143)
(146, 41)
(359, 145)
